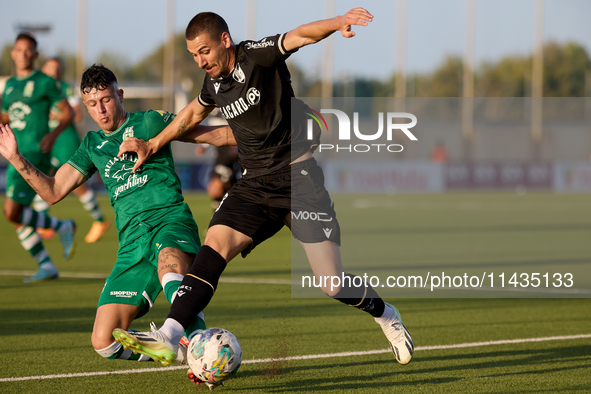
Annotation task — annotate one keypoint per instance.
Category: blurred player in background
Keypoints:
(65, 146)
(158, 237)
(251, 85)
(439, 154)
(226, 167)
(28, 98)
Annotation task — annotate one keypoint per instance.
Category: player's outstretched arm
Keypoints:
(213, 135)
(186, 120)
(51, 189)
(313, 32)
(65, 117)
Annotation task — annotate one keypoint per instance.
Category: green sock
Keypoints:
(32, 218)
(170, 284)
(90, 204)
(196, 325)
(31, 241)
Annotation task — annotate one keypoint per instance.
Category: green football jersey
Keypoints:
(149, 197)
(27, 102)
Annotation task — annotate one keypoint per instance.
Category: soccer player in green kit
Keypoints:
(26, 103)
(158, 237)
(64, 148)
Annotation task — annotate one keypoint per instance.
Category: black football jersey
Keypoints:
(255, 99)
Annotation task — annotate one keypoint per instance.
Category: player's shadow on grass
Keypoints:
(341, 383)
(507, 358)
(532, 358)
(46, 321)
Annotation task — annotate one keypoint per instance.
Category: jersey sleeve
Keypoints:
(205, 98)
(267, 51)
(156, 121)
(81, 161)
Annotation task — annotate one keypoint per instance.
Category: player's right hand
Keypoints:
(8, 145)
(357, 16)
(139, 146)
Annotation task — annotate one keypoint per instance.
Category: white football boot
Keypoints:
(400, 340)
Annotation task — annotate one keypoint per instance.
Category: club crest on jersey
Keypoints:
(29, 87)
(122, 173)
(239, 74)
(165, 115)
(128, 133)
(17, 113)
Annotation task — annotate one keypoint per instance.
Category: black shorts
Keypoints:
(296, 197)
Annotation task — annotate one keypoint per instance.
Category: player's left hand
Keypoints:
(141, 147)
(357, 16)
(8, 145)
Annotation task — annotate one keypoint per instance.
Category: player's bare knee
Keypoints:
(331, 291)
(12, 214)
(101, 338)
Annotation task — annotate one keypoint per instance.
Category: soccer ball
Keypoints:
(214, 355)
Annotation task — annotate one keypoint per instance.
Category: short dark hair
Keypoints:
(97, 77)
(27, 36)
(54, 59)
(206, 22)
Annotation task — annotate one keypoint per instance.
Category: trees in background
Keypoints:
(567, 73)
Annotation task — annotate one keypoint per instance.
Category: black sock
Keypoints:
(198, 286)
(364, 298)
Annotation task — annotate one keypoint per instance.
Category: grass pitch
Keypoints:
(45, 327)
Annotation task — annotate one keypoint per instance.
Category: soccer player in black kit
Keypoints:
(250, 83)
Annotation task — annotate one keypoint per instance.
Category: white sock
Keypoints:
(109, 350)
(387, 315)
(48, 266)
(173, 330)
(115, 347)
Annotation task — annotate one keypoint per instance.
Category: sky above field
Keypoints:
(131, 29)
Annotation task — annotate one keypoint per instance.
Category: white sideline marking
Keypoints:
(308, 357)
(85, 275)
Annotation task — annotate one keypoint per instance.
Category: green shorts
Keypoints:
(17, 189)
(65, 147)
(134, 278)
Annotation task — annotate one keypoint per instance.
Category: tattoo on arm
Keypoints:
(183, 128)
(29, 172)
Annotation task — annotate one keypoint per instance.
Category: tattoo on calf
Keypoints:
(164, 261)
(165, 266)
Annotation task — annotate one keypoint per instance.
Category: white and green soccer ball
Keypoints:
(214, 355)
